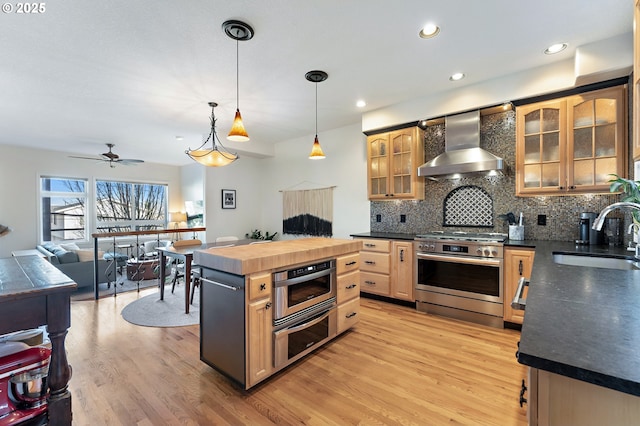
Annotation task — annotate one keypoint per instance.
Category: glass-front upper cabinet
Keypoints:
(393, 159)
(571, 145)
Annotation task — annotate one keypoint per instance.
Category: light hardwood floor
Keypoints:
(396, 366)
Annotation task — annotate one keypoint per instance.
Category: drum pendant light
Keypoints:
(239, 31)
(316, 77)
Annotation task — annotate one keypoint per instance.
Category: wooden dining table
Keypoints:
(185, 254)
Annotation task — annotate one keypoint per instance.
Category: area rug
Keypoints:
(150, 311)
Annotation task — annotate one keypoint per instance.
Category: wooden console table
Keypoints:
(34, 293)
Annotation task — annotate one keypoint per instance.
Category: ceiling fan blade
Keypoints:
(129, 161)
(87, 158)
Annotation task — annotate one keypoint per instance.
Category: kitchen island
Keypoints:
(264, 306)
(580, 337)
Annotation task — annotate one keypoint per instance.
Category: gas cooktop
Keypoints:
(463, 236)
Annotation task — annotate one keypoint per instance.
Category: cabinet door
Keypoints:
(540, 148)
(378, 166)
(259, 286)
(402, 282)
(596, 139)
(517, 263)
(260, 350)
(392, 165)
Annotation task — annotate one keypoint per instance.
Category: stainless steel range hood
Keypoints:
(463, 154)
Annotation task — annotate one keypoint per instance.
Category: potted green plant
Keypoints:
(631, 193)
(257, 235)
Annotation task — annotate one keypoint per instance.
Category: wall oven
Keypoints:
(297, 290)
(305, 313)
(460, 275)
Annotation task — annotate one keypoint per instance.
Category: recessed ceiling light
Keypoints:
(179, 138)
(429, 30)
(456, 76)
(555, 48)
(361, 104)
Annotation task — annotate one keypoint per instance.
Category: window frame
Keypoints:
(42, 193)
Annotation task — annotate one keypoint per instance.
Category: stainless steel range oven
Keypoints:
(460, 275)
(305, 313)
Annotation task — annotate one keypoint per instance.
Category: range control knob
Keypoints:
(494, 253)
(486, 252)
(479, 251)
(420, 246)
(432, 247)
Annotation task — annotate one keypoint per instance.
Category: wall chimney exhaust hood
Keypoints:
(463, 154)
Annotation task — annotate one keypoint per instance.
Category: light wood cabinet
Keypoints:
(636, 81)
(571, 145)
(554, 399)
(518, 263)
(402, 282)
(387, 268)
(393, 159)
(260, 323)
(348, 291)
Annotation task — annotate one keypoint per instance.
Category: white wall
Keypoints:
(20, 169)
(345, 168)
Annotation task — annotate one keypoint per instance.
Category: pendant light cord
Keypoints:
(237, 75)
(316, 109)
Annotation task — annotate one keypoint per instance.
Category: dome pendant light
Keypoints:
(218, 155)
(238, 31)
(316, 77)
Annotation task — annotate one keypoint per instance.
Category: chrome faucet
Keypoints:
(599, 221)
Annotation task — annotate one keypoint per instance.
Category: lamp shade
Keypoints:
(238, 132)
(316, 150)
(211, 158)
(177, 217)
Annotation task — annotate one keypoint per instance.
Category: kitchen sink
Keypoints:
(596, 261)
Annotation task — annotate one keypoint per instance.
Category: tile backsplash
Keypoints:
(497, 135)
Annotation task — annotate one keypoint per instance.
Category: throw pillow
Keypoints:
(64, 256)
(70, 246)
(86, 255)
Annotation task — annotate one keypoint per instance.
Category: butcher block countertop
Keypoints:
(251, 258)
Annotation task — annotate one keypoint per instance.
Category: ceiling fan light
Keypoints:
(316, 150)
(238, 132)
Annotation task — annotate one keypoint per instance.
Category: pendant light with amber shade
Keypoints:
(316, 77)
(239, 31)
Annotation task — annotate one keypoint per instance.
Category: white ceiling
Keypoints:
(139, 73)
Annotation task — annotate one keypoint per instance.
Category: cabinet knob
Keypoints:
(268, 305)
(263, 287)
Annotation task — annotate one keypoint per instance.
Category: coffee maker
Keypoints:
(586, 234)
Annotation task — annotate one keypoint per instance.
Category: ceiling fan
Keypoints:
(111, 158)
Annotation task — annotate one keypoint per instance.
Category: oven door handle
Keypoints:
(518, 302)
(484, 261)
(304, 278)
(307, 324)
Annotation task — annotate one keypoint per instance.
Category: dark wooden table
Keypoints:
(34, 293)
(186, 255)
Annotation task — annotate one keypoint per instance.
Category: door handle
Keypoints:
(401, 255)
(518, 302)
(520, 267)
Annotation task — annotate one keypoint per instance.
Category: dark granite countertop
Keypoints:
(385, 235)
(582, 322)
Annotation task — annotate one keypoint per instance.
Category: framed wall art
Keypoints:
(228, 198)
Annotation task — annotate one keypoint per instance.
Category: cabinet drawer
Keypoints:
(376, 245)
(347, 263)
(259, 286)
(374, 283)
(348, 314)
(348, 286)
(374, 262)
